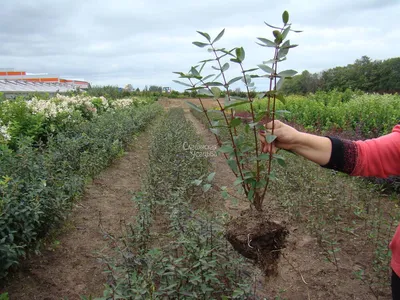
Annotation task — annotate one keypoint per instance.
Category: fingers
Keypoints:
(276, 124)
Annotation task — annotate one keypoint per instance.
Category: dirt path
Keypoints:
(70, 267)
(303, 271)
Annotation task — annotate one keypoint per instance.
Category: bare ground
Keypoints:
(71, 266)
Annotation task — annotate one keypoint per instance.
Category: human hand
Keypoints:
(286, 137)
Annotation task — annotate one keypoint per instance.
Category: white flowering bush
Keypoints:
(4, 134)
(37, 118)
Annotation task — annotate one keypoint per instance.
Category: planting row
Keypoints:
(38, 182)
(175, 251)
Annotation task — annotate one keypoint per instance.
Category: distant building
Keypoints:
(14, 83)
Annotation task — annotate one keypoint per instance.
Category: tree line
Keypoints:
(379, 76)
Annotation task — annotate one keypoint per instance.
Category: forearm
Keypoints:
(315, 148)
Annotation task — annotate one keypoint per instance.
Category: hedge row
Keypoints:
(37, 185)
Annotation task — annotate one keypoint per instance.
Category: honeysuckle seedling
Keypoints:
(252, 167)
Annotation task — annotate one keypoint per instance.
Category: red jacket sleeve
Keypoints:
(379, 157)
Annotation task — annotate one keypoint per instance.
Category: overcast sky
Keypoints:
(142, 42)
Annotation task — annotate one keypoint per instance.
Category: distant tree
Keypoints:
(128, 87)
(364, 74)
(155, 88)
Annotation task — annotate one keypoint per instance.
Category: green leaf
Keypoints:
(232, 164)
(250, 70)
(214, 131)
(280, 159)
(281, 98)
(282, 112)
(256, 124)
(235, 60)
(194, 106)
(266, 42)
(283, 52)
(225, 67)
(285, 32)
(226, 149)
(216, 92)
(250, 194)
(263, 156)
(285, 17)
(211, 177)
(207, 77)
(280, 83)
(238, 181)
(240, 54)
(235, 122)
(236, 103)
(213, 84)
(197, 182)
(271, 26)
(266, 69)
(287, 73)
(206, 187)
(182, 83)
(205, 92)
(206, 35)
(272, 176)
(270, 138)
(200, 44)
(219, 36)
(234, 80)
(194, 71)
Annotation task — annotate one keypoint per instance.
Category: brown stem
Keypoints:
(272, 80)
(253, 117)
(225, 83)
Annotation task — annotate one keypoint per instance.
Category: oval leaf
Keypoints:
(285, 17)
(270, 138)
(225, 67)
(234, 80)
(219, 36)
(200, 44)
(194, 106)
(216, 92)
(287, 73)
(206, 35)
(236, 122)
(266, 42)
(280, 83)
(266, 69)
(182, 83)
(211, 177)
(240, 54)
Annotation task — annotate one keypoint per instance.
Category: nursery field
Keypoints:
(81, 162)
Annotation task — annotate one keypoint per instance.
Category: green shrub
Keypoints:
(38, 184)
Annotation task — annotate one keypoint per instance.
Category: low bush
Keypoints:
(37, 184)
